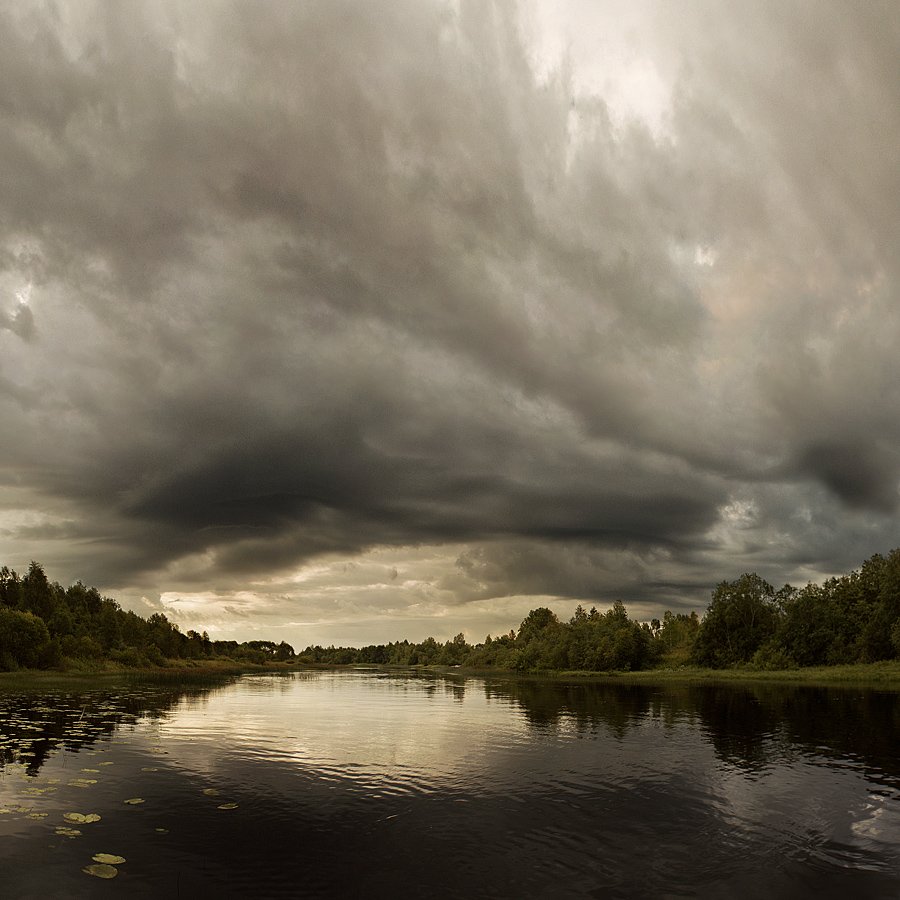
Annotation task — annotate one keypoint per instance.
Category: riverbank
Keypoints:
(884, 674)
(105, 672)
(881, 674)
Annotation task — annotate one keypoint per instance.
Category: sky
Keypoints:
(344, 322)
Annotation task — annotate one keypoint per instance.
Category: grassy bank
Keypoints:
(878, 674)
(98, 673)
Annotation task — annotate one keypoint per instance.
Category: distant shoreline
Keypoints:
(877, 674)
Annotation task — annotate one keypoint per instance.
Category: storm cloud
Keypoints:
(287, 288)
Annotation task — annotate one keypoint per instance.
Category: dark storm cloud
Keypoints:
(313, 278)
(861, 474)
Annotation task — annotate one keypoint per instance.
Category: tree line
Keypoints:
(45, 626)
(852, 618)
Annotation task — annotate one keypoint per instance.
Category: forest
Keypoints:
(854, 618)
(46, 626)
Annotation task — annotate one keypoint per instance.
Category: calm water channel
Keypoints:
(366, 784)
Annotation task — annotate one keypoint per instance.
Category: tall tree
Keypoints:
(741, 616)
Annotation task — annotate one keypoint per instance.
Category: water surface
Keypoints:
(372, 784)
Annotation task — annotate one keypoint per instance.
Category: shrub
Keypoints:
(22, 637)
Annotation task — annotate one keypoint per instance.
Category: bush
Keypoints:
(22, 637)
(154, 655)
(770, 658)
(131, 657)
(87, 648)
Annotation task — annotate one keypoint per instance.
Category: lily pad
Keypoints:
(227, 806)
(109, 858)
(81, 818)
(211, 792)
(101, 870)
(134, 801)
(67, 832)
(161, 830)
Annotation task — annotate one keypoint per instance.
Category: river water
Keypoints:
(371, 784)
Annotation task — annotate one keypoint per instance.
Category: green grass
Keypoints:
(85, 674)
(880, 674)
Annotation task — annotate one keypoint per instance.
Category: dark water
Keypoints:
(365, 784)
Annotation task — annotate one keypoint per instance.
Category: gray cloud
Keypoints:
(316, 279)
(19, 322)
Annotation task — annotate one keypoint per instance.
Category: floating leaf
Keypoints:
(101, 870)
(109, 858)
(38, 815)
(227, 806)
(134, 801)
(81, 818)
(90, 770)
(149, 769)
(107, 763)
(161, 830)
(211, 792)
(67, 832)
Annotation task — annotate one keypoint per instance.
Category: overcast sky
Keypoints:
(350, 321)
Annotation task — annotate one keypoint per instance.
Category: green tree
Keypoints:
(23, 638)
(109, 625)
(856, 596)
(807, 630)
(676, 636)
(10, 588)
(37, 593)
(537, 623)
(876, 634)
(284, 651)
(740, 618)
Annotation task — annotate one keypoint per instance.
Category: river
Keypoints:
(373, 784)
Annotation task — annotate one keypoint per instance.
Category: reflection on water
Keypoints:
(34, 727)
(367, 783)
